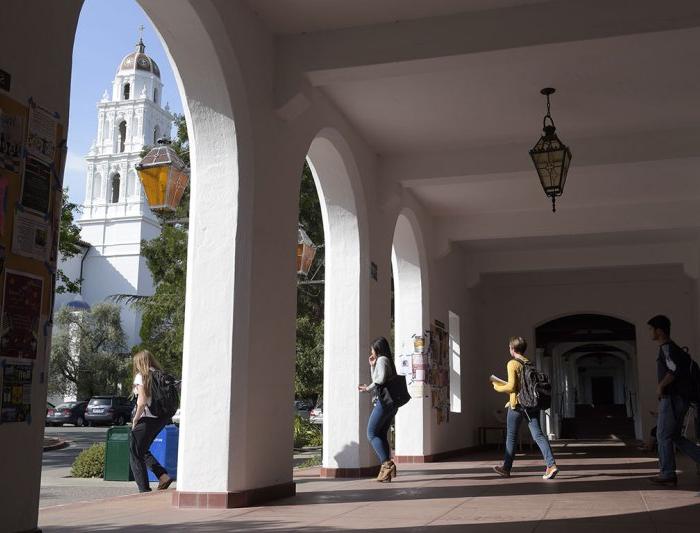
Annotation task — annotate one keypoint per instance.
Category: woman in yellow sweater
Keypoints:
(516, 413)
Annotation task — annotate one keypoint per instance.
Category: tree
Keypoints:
(68, 244)
(308, 379)
(88, 352)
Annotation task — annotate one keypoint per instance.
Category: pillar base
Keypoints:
(353, 473)
(230, 500)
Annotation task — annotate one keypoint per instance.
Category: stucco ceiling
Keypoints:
(447, 94)
(299, 16)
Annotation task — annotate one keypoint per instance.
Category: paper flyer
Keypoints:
(36, 185)
(41, 134)
(20, 317)
(30, 237)
(15, 392)
(11, 140)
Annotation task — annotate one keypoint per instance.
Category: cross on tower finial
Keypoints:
(140, 47)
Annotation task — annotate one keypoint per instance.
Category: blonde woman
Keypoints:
(145, 426)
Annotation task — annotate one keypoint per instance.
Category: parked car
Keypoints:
(67, 413)
(176, 418)
(49, 405)
(316, 414)
(303, 408)
(108, 410)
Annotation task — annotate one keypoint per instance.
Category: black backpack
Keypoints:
(689, 384)
(165, 396)
(535, 388)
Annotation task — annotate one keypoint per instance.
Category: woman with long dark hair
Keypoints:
(145, 426)
(381, 363)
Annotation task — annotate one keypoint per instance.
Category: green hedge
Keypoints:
(90, 462)
(306, 433)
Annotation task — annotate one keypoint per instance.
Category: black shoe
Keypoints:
(501, 471)
(664, 480)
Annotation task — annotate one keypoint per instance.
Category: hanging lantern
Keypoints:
(164, 177)
(306, 251)
(551, 157)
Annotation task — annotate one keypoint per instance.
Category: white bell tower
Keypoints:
(115, 216)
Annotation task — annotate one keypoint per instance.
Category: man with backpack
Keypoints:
(529, 392)
(677, 378)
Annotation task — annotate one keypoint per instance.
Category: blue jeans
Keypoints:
(672, 411)
(377, 430)
(515, 417)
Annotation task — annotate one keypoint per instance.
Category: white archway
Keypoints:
(411, 317)
(346, 302)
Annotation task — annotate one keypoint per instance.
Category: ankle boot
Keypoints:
(393, 469)
(385, 472)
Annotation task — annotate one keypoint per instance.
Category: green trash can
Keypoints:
(117, 455)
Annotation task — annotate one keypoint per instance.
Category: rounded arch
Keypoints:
(346, 301)
(221, 160)
(558, 316)
(115, 188)
(411, 317)
(410, 271)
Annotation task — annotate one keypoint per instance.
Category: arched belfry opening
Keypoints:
(592, 362)
(122, 136)
(114, 193)
(127, 91)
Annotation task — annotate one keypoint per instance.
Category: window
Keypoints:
(115, 188)
(122, 135)
(155, 95)
(156, 135)
(127, 90)
(455, 365)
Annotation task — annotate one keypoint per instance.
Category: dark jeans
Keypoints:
(140, 440)
(378, 428)
(672, 411)
(515, 417)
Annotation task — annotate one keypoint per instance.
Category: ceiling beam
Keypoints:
(424, 45)
(489, 163)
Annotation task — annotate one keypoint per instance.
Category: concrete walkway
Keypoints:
(602, 485)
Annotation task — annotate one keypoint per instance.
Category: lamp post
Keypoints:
(551, 157)
(164, 177)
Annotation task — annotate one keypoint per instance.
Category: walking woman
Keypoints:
(516, 413)
(381, 363)
(145, 426)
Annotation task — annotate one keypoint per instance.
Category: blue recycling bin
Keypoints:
(164, 449)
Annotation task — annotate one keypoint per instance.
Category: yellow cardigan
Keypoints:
(513, 386)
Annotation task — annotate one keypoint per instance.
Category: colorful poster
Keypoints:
(30, 236)
(41, 134)
(4, 184)
(36, 185)
(15, 392)
(11, 140)
(20, 317)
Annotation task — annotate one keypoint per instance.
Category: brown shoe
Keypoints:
(164, 482)
(551, 472)
(501, 471)
(658, 480)
(385, 472)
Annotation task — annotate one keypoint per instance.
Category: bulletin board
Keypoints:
(31, 152)
(439, 371)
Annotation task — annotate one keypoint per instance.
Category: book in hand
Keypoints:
(496, 379)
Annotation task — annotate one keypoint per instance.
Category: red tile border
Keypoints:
(230, 500)
(353, 473)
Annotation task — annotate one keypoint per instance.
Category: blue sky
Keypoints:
(107, 31)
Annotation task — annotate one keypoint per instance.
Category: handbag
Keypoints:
(394, 393)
